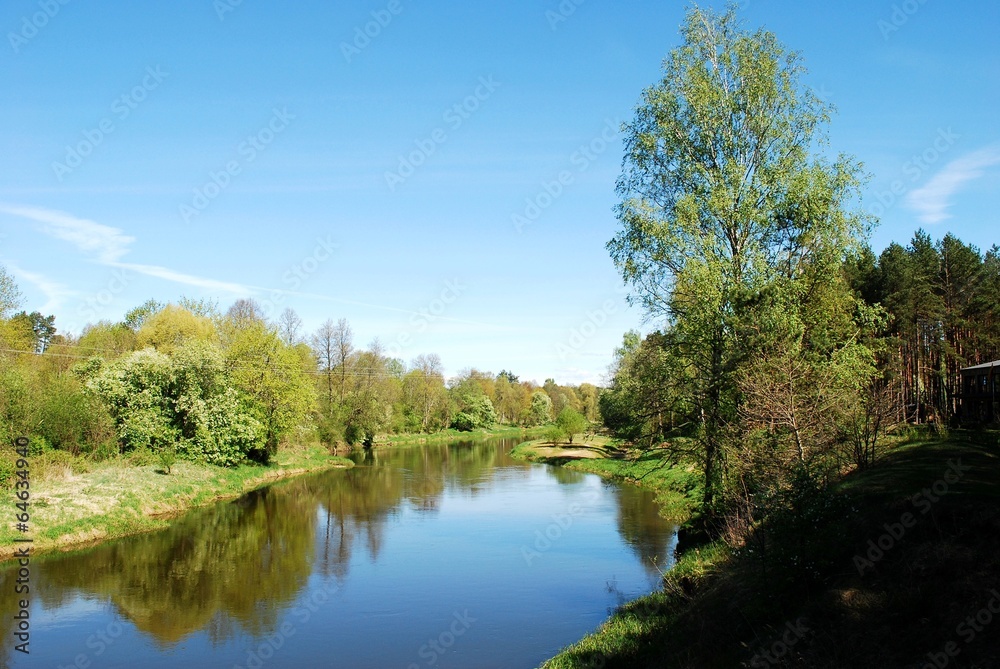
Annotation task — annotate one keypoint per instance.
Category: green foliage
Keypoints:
(554, 434)
(182, 402)
(135, 318)
(51, 462)
(221, 389)
(941, 300)
(167, 458)
(650, 393)
(37, 446)
(72, 419)
(171, 327)
(106, 450)
(734, 232)
(138, 391)
(463, 422)
(541, 409)
(571, 422)
(424, 396)
(479, 414)
(107, 339)
(7, 469)
(330, 429)
(142, 457)
(226, 432)
(271, 375)
(18, 406)
(42, 328)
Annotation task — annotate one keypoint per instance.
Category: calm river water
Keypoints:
(438, 556)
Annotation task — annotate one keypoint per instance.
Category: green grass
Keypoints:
(677, 488)
(723, 607)
(454, 435)
(75, 501)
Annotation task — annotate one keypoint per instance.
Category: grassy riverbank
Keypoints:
(76, 501)
(886, 569)
(677, 488)
(455, 435)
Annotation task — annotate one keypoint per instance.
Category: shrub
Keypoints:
(72, 420)
(38, 445)
(52, 461)
(329, 430)
(168, 457)
(479, 414)
(105, 450)
(183, 401)
(226, 433)
(463, 422)
(141, 457)
(571, 422)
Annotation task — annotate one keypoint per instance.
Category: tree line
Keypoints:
(226, 386)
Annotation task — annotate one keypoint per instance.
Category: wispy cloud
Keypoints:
(187, 279)
(931, 201)
(105, 243)
(54, 291)
(107, 246)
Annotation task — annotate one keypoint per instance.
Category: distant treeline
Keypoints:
(223, 387)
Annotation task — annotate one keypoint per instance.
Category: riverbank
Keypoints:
(885, 569)
(77, 502)
(455, 435)
(677, 489)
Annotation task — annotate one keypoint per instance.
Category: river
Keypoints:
(436, 556)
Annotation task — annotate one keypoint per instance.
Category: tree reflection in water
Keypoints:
(237, 566)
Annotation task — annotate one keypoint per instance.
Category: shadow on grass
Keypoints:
(854, 589)
(909, 468)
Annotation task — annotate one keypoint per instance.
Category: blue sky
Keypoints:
(248, 148)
